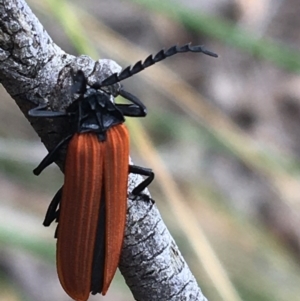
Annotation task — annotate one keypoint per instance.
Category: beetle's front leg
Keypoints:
(40, 112)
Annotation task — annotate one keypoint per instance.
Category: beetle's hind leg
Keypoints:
(138, 190)
(53, 211)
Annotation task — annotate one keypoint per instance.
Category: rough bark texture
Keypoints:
(35, 71)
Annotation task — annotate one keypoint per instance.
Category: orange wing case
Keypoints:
(95, 172)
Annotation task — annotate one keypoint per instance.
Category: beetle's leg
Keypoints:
(137, 109)
(131, 110)
(51, 157)
(39, 112)
(52, 211)
(143, 172)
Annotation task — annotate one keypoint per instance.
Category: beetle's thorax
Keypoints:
(97, 113)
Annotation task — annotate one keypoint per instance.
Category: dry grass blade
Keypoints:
(185, 217)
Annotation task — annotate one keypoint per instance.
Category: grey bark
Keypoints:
(35, 71)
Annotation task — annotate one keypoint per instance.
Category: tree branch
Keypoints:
(36, 71)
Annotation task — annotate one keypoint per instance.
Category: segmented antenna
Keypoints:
(151, 60)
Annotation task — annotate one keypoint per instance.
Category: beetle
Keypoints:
(91, 206)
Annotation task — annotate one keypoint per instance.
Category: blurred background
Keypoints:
(222, 135)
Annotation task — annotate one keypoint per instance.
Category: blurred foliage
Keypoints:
(227, 32)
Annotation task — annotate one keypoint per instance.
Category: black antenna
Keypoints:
(151, 60)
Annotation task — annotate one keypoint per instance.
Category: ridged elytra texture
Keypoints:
(90, 167)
